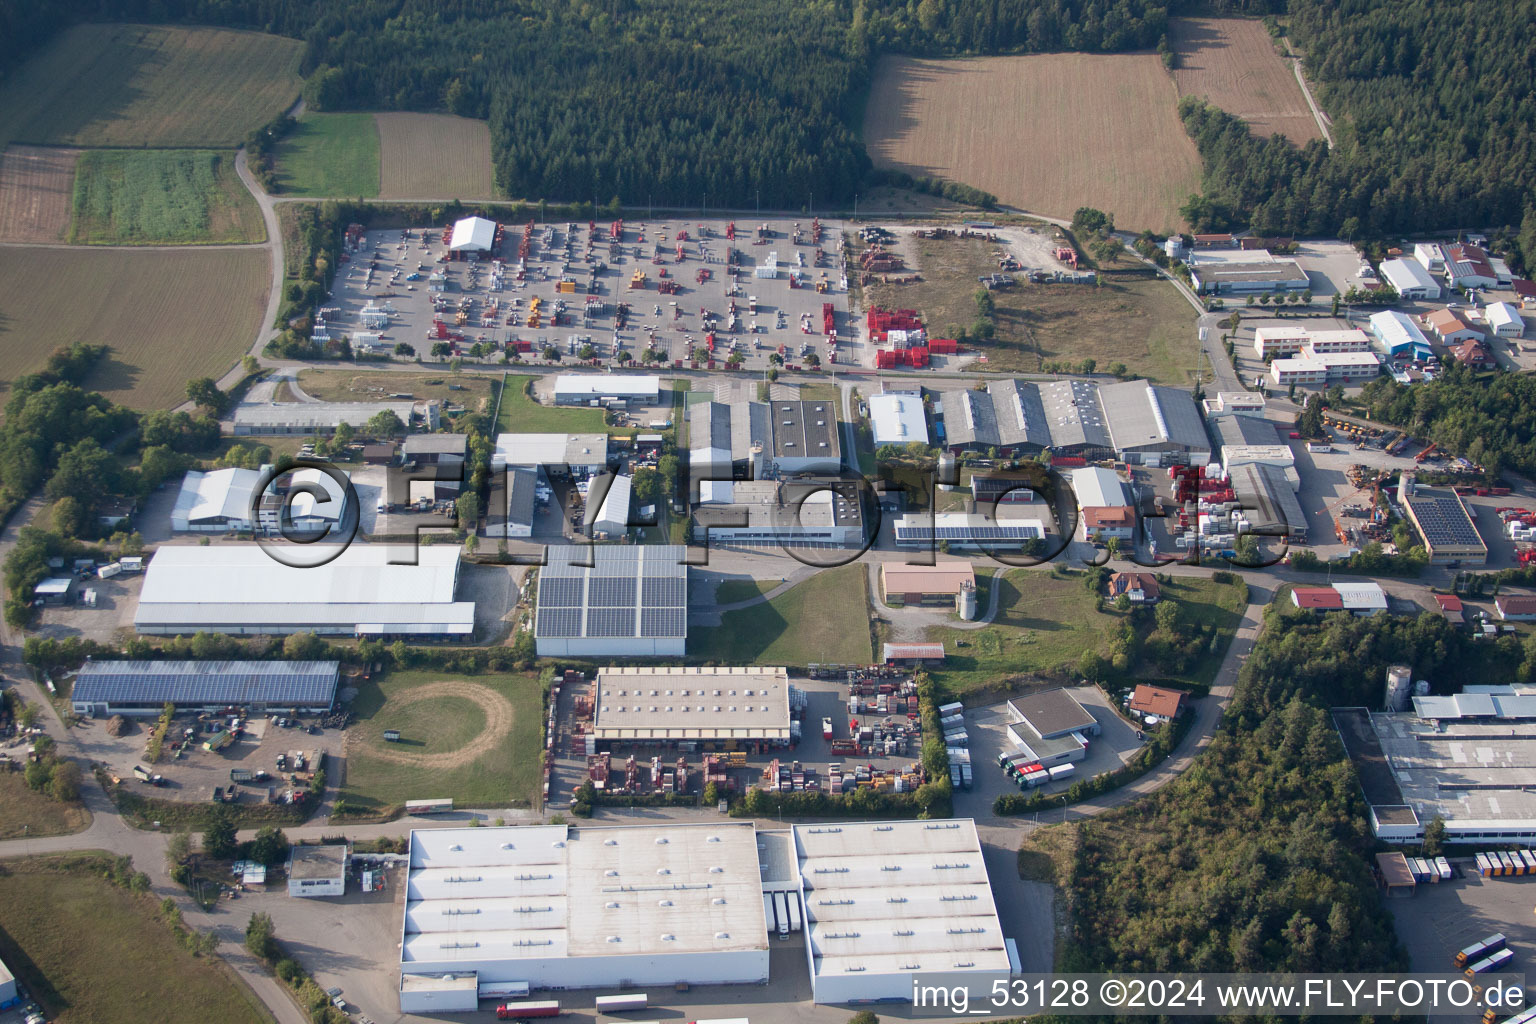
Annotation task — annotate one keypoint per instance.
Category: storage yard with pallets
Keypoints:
(159, 197)
(168, 316)
(673, 287)
(37, 187)
(1049, 314)
(140, 85)
(1232, 63)
(434, 156)
(1047, 133)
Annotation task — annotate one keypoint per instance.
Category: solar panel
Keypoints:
(663, 621)
(611, 592)
(559, 622)
(610, 622)
(560, 593)
(225, 682)
(659, 591)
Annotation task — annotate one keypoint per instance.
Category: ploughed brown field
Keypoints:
(37, 186)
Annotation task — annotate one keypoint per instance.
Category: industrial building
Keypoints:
(805, 437)
(372, 590)
(1468, 266)
(1102, 505)
(631, 601)
(439, 457)
(606, 515)
(8, 994)
(1466, 757)
(1279, 341)
(1235, 403)
(513, 503)
(558, 455)
(318, 870)
(574, 907)
(1011, 488)
(939, 583)
(105, 688)
(885, 901)
(1325, 368)
(1020, 417)
(1450, 328)
(324, 417)
(219, 501)
(790, 513)
(607, 389)
(898, 419)
(714, 706)
(1504, 320)
(965, 531)
(472, 235)
(1398, 336)
(1255, 272)
(1410, 279)
(1148, 421)
(1442, 519)
(1267, 495)
(750, 440)
(1051, 726)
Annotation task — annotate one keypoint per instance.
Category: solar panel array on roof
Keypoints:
(638, 591)
(308, 683)
(968, 532)
(1443, 521)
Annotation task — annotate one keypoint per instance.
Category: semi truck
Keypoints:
(528, 1008)
(619, 1003)
(781, 913)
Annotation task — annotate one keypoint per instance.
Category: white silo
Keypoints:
(1399, 686)
(966, 601)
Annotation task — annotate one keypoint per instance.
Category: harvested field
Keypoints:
(36, 186)
(434, 156)
(168, 315)
(1047, 133)
(1232, 63)
(150, 85)
(162, 197)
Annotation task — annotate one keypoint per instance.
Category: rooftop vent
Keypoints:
(612, 905)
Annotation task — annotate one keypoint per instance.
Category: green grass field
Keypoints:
(335, 155)
(25, 813)
(473, 391)
(149, 86)
(92, 953)
(521, 414)
(819, 620)
(156, 197)
(475, 739)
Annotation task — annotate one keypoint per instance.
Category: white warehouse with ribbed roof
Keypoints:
(576, 906)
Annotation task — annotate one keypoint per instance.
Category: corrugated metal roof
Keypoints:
(1020, 413)
(1141, 414)
(898, 419)
(1075, 414)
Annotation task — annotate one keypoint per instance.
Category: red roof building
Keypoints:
(1474, 355)
(1516, 607)
(1158, 701)
(1141, 587)
(1525, 291)
(1317, 598)
(1450, 606)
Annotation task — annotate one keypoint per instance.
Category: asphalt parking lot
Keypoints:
(1332, 267)
(497, 310)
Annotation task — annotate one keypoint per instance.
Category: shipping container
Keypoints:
(1061, 771)
(1497, 962)
(1443, 866)
(528, 1008)
(1483, 867)
(628, 1001)
(1480, 949)
(428, 806)
(793, 899)
(1530, 861)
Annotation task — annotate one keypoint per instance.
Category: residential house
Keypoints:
(1140, 587)
(1157, 702)
(1474, 355)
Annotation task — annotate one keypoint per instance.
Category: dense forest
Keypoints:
(1434, 105)
(1256, 857)
(1489, 419)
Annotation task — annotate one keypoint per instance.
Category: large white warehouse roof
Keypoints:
(475, 234)
(584, 907)
(605, 385)
(666, 704)
(242, 588)
(884, 900)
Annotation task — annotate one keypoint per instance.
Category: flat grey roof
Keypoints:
(1020, 413)
(318, 414)
(709, 425)
(1053, 712)
(1075, 413)
(513, 497)
(1471, 773)
(434, 444)
(1268, 496)
(1142, 414)
(325, 861)
(1231, 270)
(805, 430)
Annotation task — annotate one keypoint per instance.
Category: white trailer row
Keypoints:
(782, 912)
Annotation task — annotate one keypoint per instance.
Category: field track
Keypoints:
(168, 315)
(425, 156)
(1047, 133)
(36, 187)
(149, 86)
(1232, 63)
